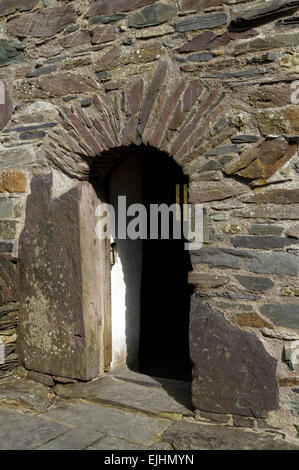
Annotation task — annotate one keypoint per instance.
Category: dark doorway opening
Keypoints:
(162, 292)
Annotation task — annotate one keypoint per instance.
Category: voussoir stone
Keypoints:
(153, 15)
(42, 23)
(247, 383)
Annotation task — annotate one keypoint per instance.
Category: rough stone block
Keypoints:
(13, 182)
(153, 15)
(60, 315)
(286, 315)
(195, 23)
(257, 262)
(42, 23)
(233, 373)
(8, 229)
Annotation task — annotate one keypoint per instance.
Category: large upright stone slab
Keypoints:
(233, 373)
(60, 315)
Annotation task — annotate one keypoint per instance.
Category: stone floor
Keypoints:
(138, 413)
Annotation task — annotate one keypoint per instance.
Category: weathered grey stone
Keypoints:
(215, 190)
(201, 57)
(257, 262)
(268, 43)
(153, 15)
(59, 331)
(195, 23)
(217, 418)
(10, 52)
(269, 211)
(264, 13)
(107, 18)
(25, 393)
(42, 23)
(247, 383)
(251, 319)
(262, 242)
(21, 431)
(244, 138)
(259, 284)
(266, 229)
(115, 443)
(6, 247)
(286, 315)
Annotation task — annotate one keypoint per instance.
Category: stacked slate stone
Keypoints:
(8, 316)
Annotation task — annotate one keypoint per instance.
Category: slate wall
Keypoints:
(213, 84)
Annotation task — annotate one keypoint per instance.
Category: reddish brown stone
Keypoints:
(166, 112)
(111, 59)
(209, 40)
(189, 129)
(42, 23)
(104, 7)
(13, 182)
(102, 34)
(64, 83)
(215, 191)
(77, 39)
(6, 107)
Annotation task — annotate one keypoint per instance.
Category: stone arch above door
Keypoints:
(162, 109)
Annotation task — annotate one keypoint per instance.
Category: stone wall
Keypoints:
(213, 84)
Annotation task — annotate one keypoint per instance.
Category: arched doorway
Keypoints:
(149, 276)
